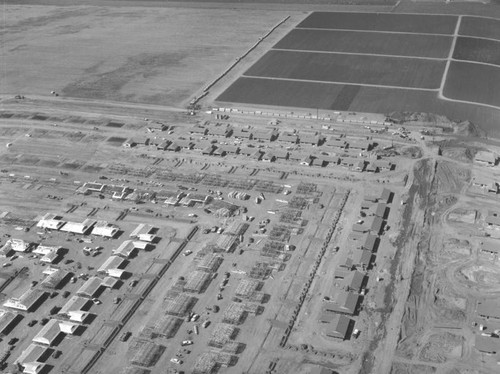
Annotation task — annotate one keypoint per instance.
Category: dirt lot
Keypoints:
(147, 55)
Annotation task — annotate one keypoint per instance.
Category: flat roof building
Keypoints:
(338, 326)
(51, 221)
(144, 232)
(126, 249)
(105, 229)
(79, 227)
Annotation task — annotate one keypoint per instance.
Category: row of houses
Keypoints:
(270, 135)
(351, 275)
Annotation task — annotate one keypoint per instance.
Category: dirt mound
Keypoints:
(402, 368)
(411, 151)
(459, 154)
(467, 128)
(441, 346)
(401, 117)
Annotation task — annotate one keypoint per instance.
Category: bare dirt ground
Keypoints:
(147, 55)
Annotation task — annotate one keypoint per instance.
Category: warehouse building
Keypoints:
(144, 232)
(51, 221)
(8, 320)
(50, 334)
(91, 288)
(113, 266)
(105, 229)
(81, 228)
(28, 301)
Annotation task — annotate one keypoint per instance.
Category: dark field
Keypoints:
(473, 82)
(480, 27)
(412, 23)
(283, 93)
(436, 46)
(479, 50)
(379, 70)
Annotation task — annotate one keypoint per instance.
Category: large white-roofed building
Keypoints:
(79, 227)
(146, 233)
(112, 266)
(51, 221)
(90, 288)
(126, 249)
(105, 229)
(27, 301)
(50, 334)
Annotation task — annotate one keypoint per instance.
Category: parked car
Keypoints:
(32, 322)
(56, 354)
(176, 361)
(124, 337)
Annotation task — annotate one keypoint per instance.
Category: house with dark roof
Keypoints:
(354, 281)
(338, 327)
(487, 344)
(488, 309)
(230, 149)
(198, 130)
(490, 246)
(268, 157)
(485, 158)
(384, 165)
(344, 303)
(242, 133)
(247, 151)
(361, 259)
(307, 161)
(360, 145)
(209, 150)
(386, 196)
(288, 138)
(265, 135)
(281, 154)
(311, 139)
(224, 131)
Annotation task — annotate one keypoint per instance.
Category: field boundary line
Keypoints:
(345, 83)
(373, 31)
(445, 98)
(450, 57)
(361, 54)
(478, 37)
(476, 62)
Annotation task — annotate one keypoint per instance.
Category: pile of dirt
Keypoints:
(465, 155)
(431, 118)
(441, 346)
(411, 151)
(456, 246)
(467, 128)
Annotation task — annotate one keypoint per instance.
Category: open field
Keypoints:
(123, 54)
(436, 46)
(473, 82)
(480, 27)
(378, 70)
(412, 23)
(477, 50)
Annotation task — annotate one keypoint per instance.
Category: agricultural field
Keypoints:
(480, 27)
(344, 68)
(435, 46)
(283, 93)
(473, 82)
(477, 50)
(411, 23)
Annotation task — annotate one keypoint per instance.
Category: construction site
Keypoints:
(212, 237)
